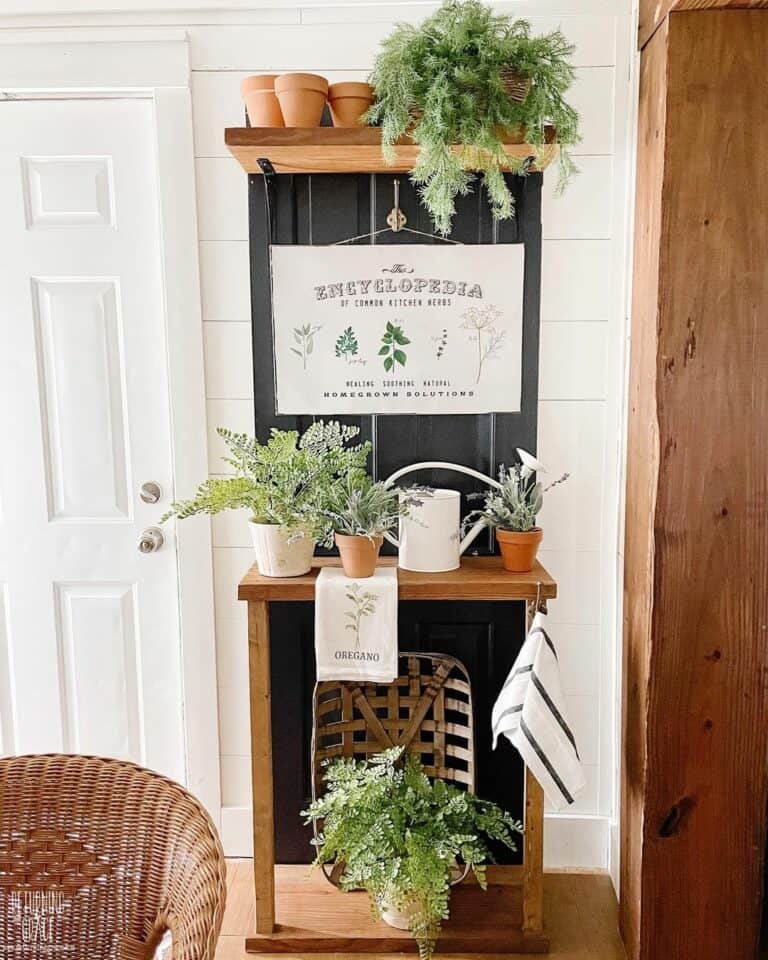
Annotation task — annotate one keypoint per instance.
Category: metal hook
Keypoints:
(396, 218)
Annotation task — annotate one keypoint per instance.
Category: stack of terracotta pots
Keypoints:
(298, 100)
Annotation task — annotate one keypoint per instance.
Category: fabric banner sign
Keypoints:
(398, 329)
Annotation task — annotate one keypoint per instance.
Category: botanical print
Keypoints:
(439, 331)
(441, 342)
(347, 345)
(363, 605)
(392, 340)
(304, 336)
(483, 322)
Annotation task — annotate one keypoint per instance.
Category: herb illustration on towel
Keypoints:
(363, 605)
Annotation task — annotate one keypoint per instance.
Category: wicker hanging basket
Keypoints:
(517, 86)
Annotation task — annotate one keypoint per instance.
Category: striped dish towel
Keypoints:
(530, 712)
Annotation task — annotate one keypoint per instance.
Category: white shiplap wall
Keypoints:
(582, 343)
(581, 363)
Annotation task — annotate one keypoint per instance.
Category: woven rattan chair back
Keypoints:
(98, 858)
(427, 710)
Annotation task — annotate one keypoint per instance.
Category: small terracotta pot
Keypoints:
(261, 102)
(348, 102)
(518, 550)
(302, 98)
(358, 554)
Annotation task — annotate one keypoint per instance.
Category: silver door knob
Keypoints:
(150, 540)
(150, 492)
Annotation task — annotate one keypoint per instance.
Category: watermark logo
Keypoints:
(35, 914)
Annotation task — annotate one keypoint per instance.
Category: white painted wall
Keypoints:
(582, 344)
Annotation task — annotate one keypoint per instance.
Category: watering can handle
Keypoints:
(443, 465)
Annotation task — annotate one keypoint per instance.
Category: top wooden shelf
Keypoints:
(478, 578)
(339, 150)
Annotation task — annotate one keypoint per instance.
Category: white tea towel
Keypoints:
(530, 712)
(356, 625)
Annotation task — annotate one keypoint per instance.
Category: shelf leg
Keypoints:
(533, 856)
(533, 846)
(261, 765)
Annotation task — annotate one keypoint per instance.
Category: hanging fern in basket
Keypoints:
(469, 76)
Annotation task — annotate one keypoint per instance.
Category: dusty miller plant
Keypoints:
(517, 504)
(284, 481)
(442, 83)
(357, 506)
(399, 834)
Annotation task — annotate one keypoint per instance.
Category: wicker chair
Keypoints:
(99, 858)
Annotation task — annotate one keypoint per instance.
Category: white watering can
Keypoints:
(429, 538)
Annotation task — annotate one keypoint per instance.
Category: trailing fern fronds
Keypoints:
(284, 481)
(399, 836)
(443, 83)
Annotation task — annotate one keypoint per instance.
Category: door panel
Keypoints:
(91, 643)
(486, 636)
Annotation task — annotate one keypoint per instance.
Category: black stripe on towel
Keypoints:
(526, 669)
(516, 709)
(544, 634)
(545, 760)
(555, 712)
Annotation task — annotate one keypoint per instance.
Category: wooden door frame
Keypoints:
(154, 64)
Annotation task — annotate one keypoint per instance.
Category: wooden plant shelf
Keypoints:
(296, 915)
(337, 150)
(478, 578)
(314, 917)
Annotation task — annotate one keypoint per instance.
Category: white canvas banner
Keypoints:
(398, 329)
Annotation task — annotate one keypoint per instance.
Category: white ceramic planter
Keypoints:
(400, 919)
(275, 556)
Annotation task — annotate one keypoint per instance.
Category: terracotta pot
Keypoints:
(348, 102)
(277, 554)
(261, 102)
(518, 550)
(358, 554)
(302, 98)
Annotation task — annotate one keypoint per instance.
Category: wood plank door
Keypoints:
(89, 626)
(324, 209)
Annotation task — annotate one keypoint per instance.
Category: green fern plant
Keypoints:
(399, 835)
(442, 83)
(284, 481)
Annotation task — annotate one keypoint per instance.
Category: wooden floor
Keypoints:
(579, 910)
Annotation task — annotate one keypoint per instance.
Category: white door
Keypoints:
(89, 626)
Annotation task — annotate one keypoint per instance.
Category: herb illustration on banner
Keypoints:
(385, 329)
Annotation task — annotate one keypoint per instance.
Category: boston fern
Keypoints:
(283, 481)
(399, 835)
(447, 81)
(358, 506)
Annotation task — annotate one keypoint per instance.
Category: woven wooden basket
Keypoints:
(427, 710)
(517, 86)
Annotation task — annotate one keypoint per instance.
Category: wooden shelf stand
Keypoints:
(296, 913)
(338, 150)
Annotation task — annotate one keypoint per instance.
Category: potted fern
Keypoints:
(283, 483)
(400, 835)
(456, 85)
(513, 509)
(359, 511)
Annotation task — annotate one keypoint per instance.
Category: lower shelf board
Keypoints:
(312, 916)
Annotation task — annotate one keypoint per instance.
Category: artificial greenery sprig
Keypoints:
(442, 82)
(399, 835)
(284, 481)
(358, 506)
(517, 504)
